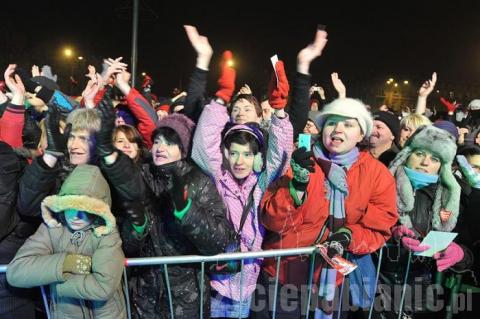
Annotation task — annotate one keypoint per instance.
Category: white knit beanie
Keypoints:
(347, 107)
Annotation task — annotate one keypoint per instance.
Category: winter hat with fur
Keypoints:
(84, 189)
(347, 107)
(182, 125)
(447, 196)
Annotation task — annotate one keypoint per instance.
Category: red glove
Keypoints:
(278, 95)
(226, 82)
(451, 107)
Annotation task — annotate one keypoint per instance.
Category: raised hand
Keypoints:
(56, 141)
(92, 73)
(311, 52)
(14, 84)
(47, 72)
(104, 136)
(113, 66)
(338, 85)
(278, 92)
(201, 45)
(245, 89)
(226, 82)
(35, 71)
(91, 91)
(121, 82)
(428, 86)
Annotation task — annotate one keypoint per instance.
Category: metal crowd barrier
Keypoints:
(277, 254)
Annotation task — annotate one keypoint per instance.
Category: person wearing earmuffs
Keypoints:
(242, 164)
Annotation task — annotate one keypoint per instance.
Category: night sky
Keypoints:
(367, 40)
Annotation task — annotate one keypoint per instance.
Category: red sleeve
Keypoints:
(145, 114)
(373, 229)
(11, 125)
(279, 213)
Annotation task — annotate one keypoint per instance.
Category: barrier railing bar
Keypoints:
(241, 289)
(187, 259)
(380, 256)
(201, 289)
(276, 289)
(340, 299)
(310, 284)
(404, 290)
(169, 291)
(45, 302)
(125, 291)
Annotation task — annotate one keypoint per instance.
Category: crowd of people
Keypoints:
(118, 172)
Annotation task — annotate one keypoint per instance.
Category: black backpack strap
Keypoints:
(246, 209)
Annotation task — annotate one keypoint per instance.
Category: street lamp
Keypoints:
(143, 73)
(68, 52)
(405, 82)
(396, 84)
(80, 58)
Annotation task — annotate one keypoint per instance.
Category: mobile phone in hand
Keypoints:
(304, 141)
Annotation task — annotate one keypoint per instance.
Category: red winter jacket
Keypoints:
(11, 125)
(145, 114)
(371, 211)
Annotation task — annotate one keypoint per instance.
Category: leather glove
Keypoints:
(77, 264)
(302, 165)
(338, 242)
(135, 211)
(104, 136)
(57, 142)
(449, 257)
(31, 132)
(278, 94)
(226, 82)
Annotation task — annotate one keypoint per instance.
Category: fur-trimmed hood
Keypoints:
(84, 189)
(447, 196)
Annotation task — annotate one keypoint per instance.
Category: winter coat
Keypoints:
(207, 153)
(11, 125)
(204, 230)
(95, 295)
(144, 113)
(370, 213)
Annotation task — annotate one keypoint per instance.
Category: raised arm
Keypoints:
(339, 86)
(198, 81)
(12, 120)
(207, 139)
(424, 91)
(299, 106)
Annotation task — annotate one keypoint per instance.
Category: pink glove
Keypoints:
(414, 245)
(449, 257)
(401, 231)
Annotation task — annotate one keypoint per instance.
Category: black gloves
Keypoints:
(135, 211)
(302, 165)
(338, 242)
(178, 191)
(31, 132)
(45, 94)
(104, 136)
(57, 142)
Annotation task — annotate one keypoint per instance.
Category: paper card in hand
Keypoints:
(274, 60)
(438, 241)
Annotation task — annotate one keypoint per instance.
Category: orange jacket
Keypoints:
(370, 207)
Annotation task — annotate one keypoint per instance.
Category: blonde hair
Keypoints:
(84, 119)
(414, 120)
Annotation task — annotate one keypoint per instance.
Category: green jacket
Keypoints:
(40, 260)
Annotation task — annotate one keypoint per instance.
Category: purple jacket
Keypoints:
(208, 155)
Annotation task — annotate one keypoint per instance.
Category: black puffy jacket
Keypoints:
(204, 230)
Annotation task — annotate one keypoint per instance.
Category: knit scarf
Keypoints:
(419, 179)
(335, 169)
